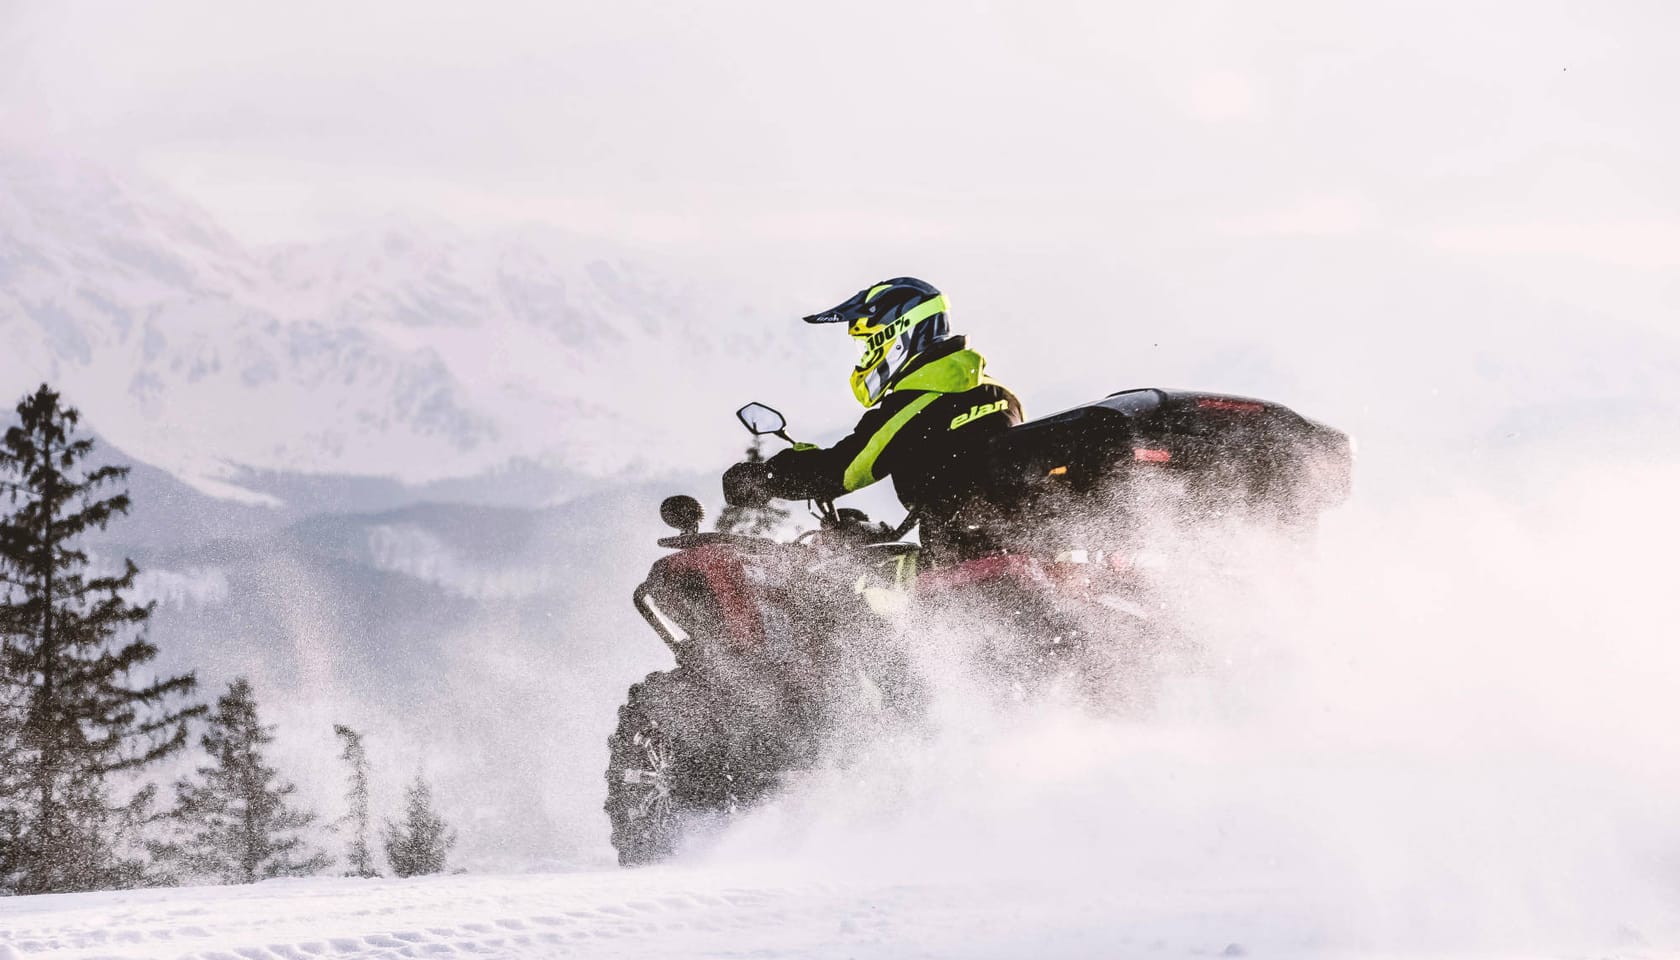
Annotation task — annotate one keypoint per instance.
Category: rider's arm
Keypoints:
(804, 474)
(851, 464)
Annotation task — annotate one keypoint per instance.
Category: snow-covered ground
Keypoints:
(864, 907)
(664, 912)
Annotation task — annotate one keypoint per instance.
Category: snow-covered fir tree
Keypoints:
(12, 779)
(359, 857)
(419, 843)
(84, 719)
(759, 521)
(237, 820)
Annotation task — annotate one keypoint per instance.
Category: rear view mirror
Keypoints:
(762, 420)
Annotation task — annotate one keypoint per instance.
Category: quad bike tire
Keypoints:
(676, 759)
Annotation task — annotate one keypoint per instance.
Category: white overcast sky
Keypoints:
(779, 118)
(1329, 168)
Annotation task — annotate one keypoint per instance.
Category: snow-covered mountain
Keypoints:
(414, 353)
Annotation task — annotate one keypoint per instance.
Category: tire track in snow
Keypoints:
(630, 914)
(698, 912)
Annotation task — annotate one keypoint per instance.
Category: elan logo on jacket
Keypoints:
(975, 413)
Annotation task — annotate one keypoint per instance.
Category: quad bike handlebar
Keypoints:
(748, 484)
(838, 524)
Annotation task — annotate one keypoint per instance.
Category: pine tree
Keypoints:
(420, 843)
(12, 781)
(70, 646)
(760, 521)
(237, 820)
(360, 857)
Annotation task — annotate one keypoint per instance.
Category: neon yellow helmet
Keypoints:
(895, 321)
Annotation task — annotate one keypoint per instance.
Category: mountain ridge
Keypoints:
(418, 354)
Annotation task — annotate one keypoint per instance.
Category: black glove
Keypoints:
(747, 485)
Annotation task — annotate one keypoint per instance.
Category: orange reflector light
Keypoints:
(1235, 406)
(1147, 455)
(1058, 471)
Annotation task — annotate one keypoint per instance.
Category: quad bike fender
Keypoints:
(678, 584)
(1070, 578)
(978, 572)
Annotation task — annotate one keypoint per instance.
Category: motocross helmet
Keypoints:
(894, 322)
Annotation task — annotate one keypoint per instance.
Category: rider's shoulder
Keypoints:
(894, 403)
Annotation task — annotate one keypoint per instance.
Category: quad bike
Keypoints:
(777, 644)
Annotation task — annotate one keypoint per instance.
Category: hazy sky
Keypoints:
(926, 120)
(1322, 168)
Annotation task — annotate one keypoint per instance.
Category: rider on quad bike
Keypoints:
(930, 407)
(787, 653)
